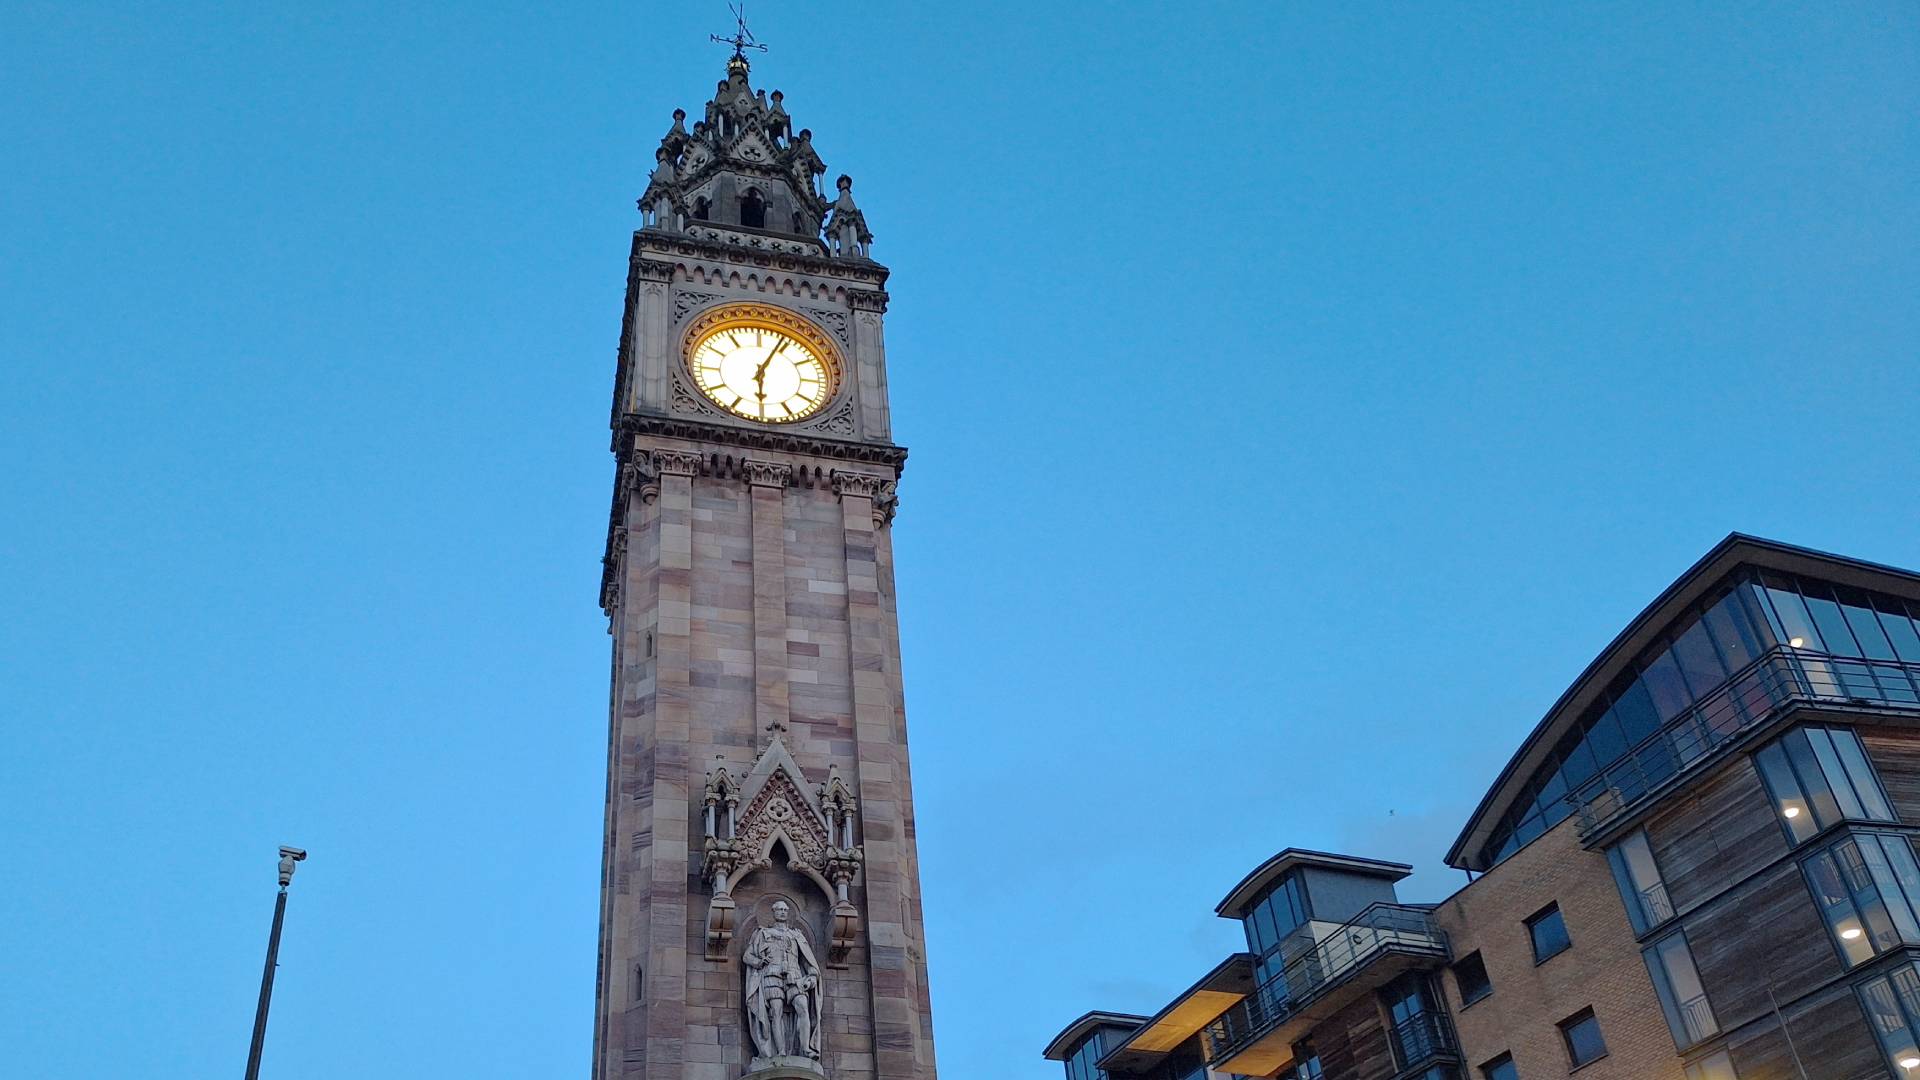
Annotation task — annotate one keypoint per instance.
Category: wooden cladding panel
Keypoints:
(1722, 832)
(1832, 1037)
(1896, 757)
(1767, 931)
(1352, 1043)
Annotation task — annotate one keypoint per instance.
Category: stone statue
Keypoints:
(783, 994)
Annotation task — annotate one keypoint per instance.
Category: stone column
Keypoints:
(901, 1050)
(666, 947)
(767, 488)
(620, 1039)
(918, 989)
(652, 357)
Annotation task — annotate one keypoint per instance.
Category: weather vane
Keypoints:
(742, 38)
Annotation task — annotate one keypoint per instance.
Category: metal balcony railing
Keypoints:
(1655, 903)
(1424, 1038)
(1784, 676)
(1697, 1017)
(1379, 929)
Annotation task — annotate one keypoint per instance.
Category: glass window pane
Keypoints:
(1826, 810)
(1265, 934)
(1738, 644)
(1875, 855)
(1634, 710)
(1858, 877)
(1577, 766)
(1694, 1015)
(1859, 770)
(1794, 621)
(1584, 1042)
(1549, 932)
(1606, 740)
(1699, 661)
(1866, 627)
(1836, 906)
(1889, 1022)
(1760, 615)
(1833, 626)
(1666, 687)
(1787, 797)
(1900, 632)
(1836, 776)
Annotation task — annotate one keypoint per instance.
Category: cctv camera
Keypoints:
(294, 853)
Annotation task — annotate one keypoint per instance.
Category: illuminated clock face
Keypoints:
(760, 373)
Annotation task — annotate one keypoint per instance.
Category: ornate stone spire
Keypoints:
(744, 177)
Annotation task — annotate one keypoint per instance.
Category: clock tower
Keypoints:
(760, 897)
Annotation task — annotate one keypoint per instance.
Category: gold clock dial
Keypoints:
(760, 372)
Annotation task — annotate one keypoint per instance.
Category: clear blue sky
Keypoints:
(1299, 396)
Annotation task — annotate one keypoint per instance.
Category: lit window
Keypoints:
(1868, 890)
(1682, 998)
(1549, 933)
(1581, 1032)
(1893, 1006)
(1641, 888)
(1820, 777)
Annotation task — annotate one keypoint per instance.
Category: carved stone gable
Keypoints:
(778, 810)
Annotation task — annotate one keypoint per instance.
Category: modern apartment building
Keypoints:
(1700, 865)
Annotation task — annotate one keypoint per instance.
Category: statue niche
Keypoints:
(773, 811)
(783, 992)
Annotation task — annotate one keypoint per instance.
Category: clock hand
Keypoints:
(760, 376)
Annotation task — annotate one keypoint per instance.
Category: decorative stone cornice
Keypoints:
(864, 485)
(687, 247)
(879, 490)
(677, 462)
(868, 299)
(652, 269)
(650, 426)
(766, 473)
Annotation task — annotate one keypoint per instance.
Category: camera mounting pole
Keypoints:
(288, 857)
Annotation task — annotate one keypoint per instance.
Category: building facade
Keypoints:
(1699, 866)
(760, 911)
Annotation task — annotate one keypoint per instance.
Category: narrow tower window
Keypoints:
(753, 211)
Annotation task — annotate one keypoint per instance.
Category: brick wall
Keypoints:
(1603, 970)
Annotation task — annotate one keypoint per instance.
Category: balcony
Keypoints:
(1338, 963)
(1425, 1038)
(1782, 678)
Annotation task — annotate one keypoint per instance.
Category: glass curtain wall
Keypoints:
(1893, 1007)
(1867, 887)
(1820, 777)
(1281, 911)
(1750, 645)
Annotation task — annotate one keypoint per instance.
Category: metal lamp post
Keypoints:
(288, 856)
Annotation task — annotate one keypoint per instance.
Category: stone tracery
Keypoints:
(746, 822)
